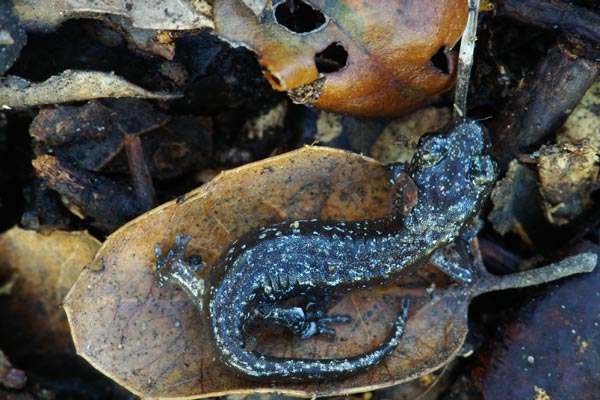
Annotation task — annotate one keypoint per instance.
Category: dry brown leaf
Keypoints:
(146, 14)
(392, 50)
(70, 85)
(45, 267)
(152, 341)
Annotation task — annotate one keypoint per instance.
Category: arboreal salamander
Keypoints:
(453, 172)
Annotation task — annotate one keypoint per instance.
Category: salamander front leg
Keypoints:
(302, 323)
(175, 268)
(456, 261)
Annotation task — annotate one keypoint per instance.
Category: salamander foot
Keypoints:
(175, 269)
(302, 323)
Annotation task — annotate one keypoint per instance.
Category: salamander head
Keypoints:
(454, 172)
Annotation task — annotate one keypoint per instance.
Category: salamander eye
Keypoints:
(432, 158)
(432, 150)
(482, 171)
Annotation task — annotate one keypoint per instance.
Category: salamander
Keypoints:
(453, 172)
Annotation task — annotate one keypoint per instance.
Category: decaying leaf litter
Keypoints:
(246, 122)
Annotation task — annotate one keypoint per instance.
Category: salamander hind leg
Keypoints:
(456, 261)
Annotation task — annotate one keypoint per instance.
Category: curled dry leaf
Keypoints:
(152, 341)
(70, 85)
(364, 58)
(146, 14)
(44, 267)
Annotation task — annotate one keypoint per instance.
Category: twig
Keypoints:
(553, 15)
(141, 178)
(465, 62)
(585, 262)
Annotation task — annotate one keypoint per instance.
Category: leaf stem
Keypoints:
(585, 262)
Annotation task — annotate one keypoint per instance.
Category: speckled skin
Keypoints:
(453, 173)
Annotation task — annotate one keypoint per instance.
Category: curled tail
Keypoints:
(229, 339)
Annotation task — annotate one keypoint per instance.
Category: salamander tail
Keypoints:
(229, 339)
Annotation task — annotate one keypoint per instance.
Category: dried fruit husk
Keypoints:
(398, 52)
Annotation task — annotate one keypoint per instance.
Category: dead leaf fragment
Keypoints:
(274, 118)
(378, 58)
(583, 125)
(65, 125)
(12, 37)
(568, 175)
(11, 378)
(152, 341)
(94, 134)
(153, 14)
(41, 15)
(339, 131)
(398, 141)
(516, 207)
(257, 6)
(70, 85)
(46, 266)
(111, 203)
(329, 127)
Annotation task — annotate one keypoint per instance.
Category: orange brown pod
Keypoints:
(363, 58)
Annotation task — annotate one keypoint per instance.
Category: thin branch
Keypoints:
(465, 62)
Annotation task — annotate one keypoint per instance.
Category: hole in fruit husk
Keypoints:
(299, 16)
(332, 59)
(440, 60)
